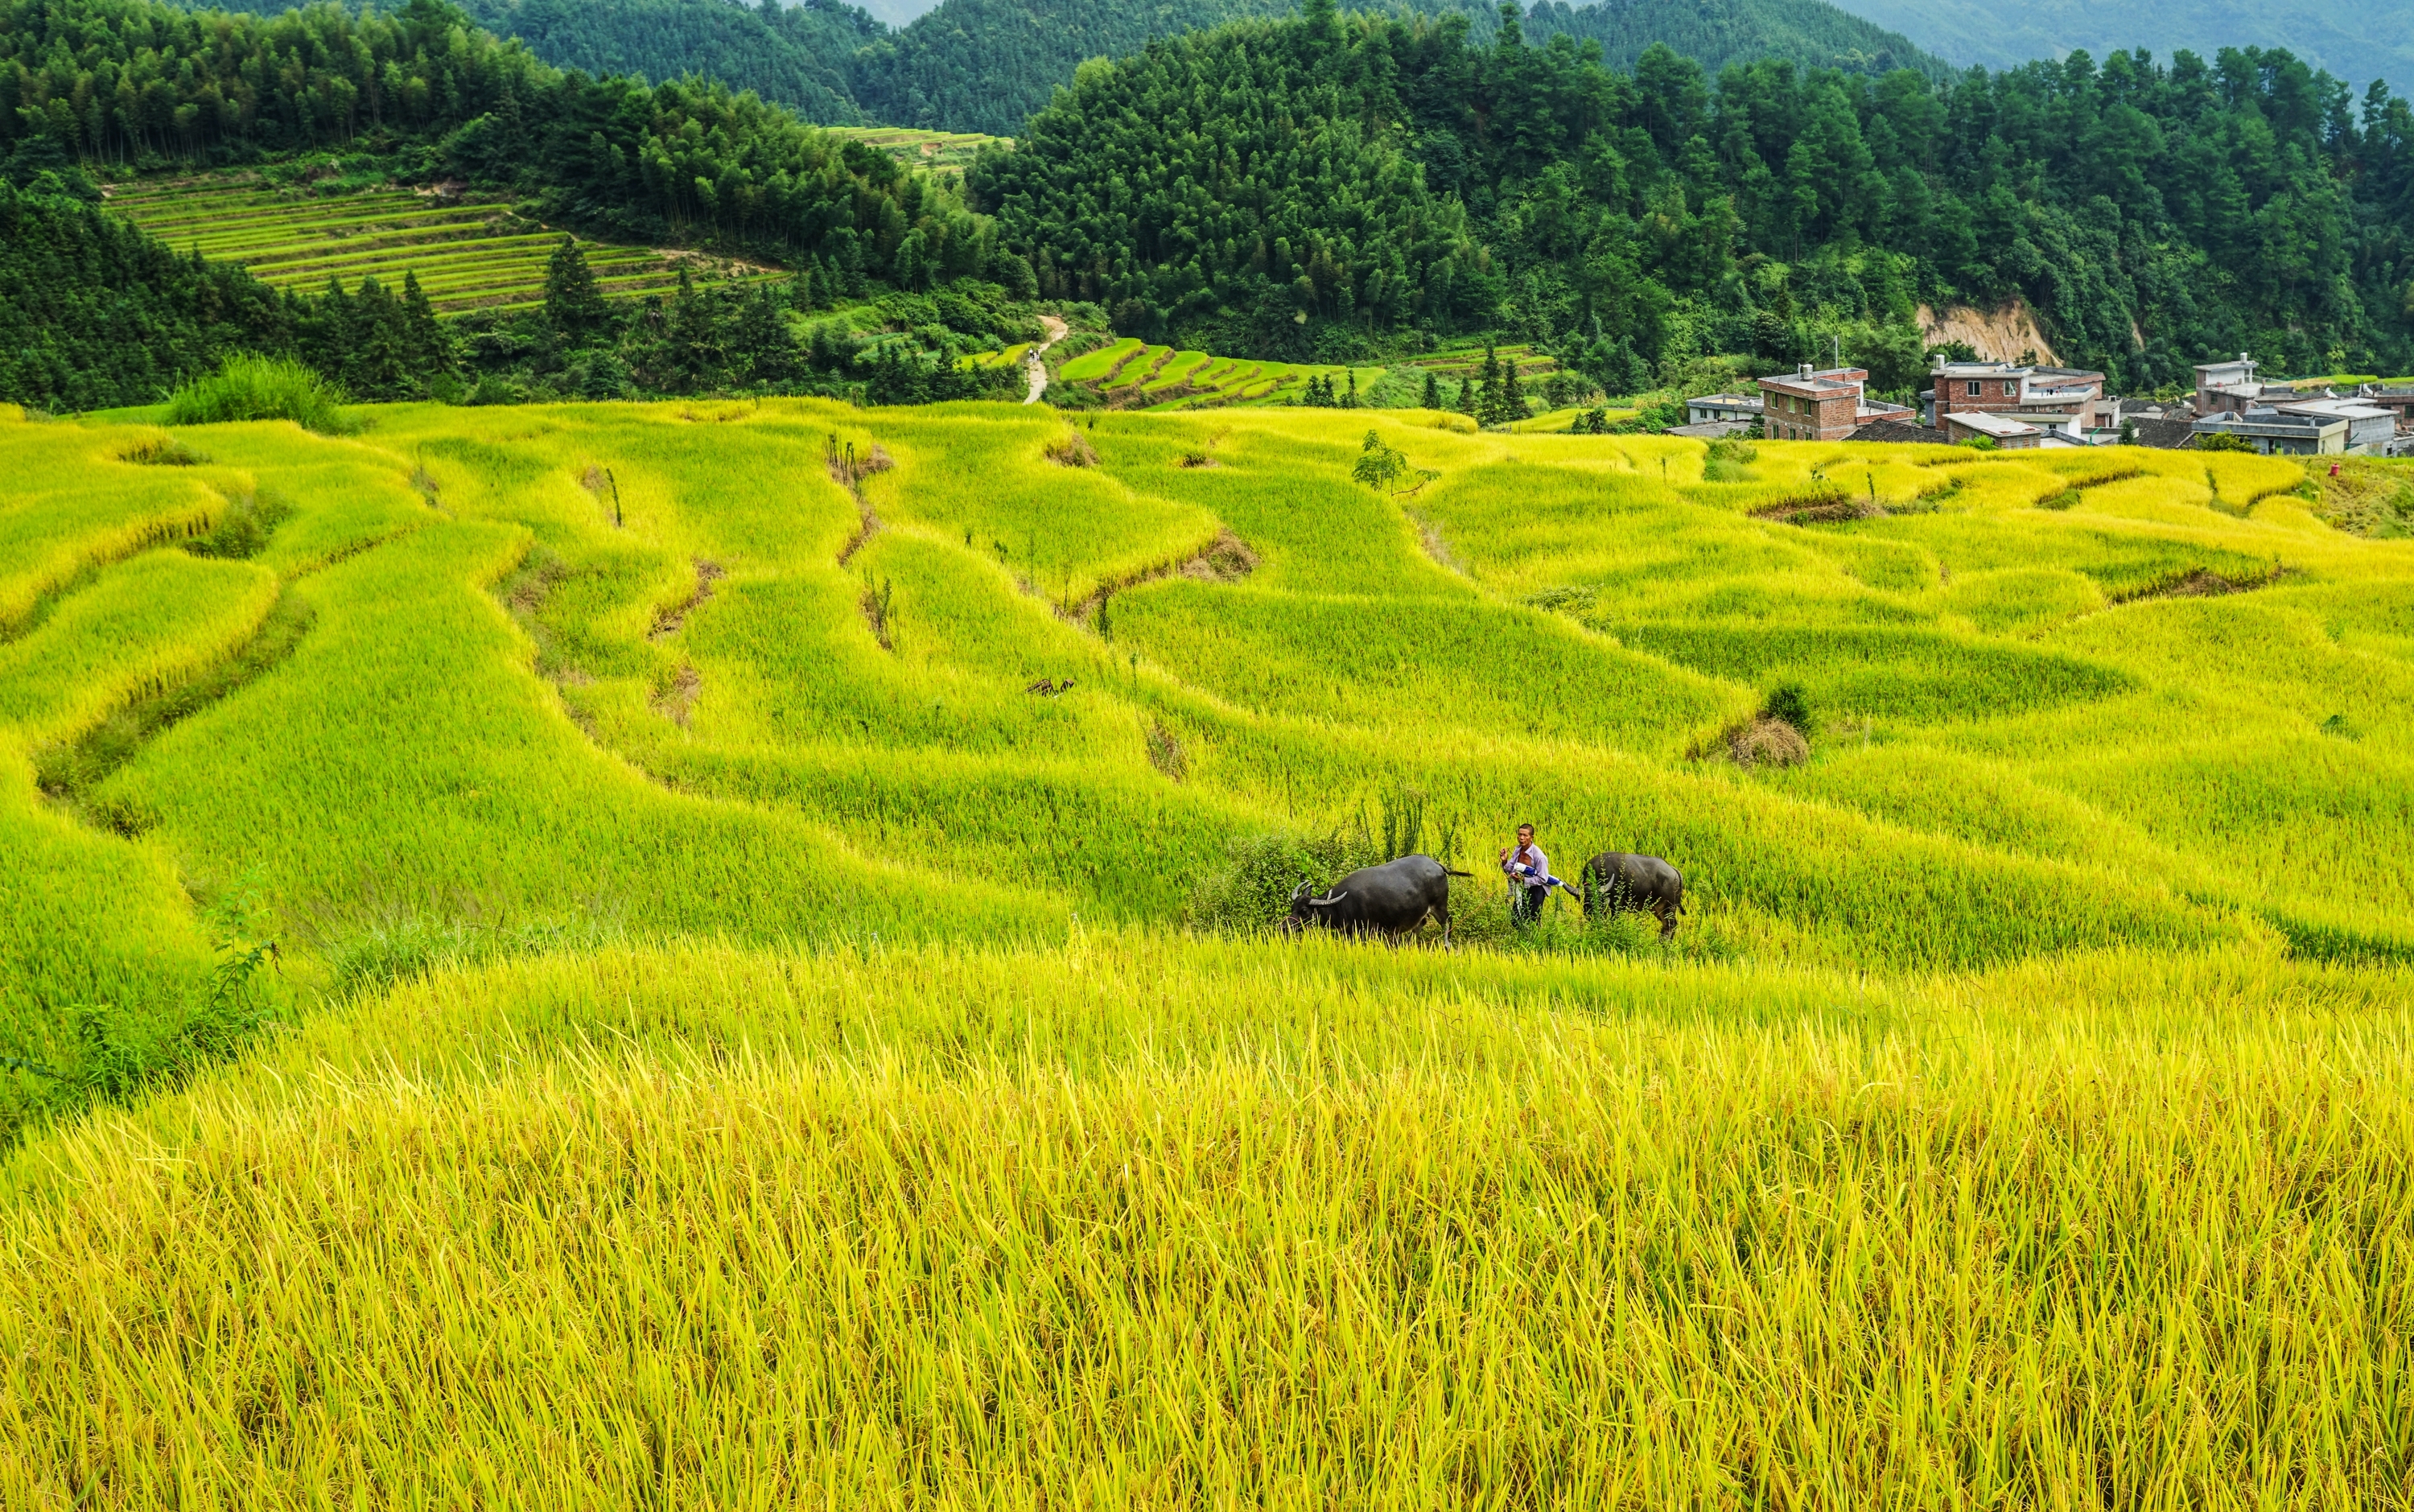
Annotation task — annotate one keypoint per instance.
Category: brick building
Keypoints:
(1824, 404)
(2065, 400)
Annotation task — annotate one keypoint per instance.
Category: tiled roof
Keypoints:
(1899, 432)
(2169, 434)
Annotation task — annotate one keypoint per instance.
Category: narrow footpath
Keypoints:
(1033, 367)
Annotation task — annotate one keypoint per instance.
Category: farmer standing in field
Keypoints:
(1529, 871)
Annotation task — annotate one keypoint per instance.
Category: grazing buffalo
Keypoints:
(1639, 884)
(1387, 900)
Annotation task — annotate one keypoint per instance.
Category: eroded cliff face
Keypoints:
(2009, 333)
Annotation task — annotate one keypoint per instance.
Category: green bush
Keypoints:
(260, 388)
(1790, 704)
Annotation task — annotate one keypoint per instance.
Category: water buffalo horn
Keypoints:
(1326, 902)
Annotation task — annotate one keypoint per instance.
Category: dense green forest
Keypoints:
(802, 56)
(986, 65)
(97, 314)
(1327, 183)
(132, 84)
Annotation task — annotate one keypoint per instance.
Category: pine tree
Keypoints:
(427, 343)
(1350, 401)
(1513, 403)
(573, 303)
(1467, 396)
(378, 365)
(1488, 410)
(1433, 391)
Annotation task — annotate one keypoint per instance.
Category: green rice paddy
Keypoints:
(468, 254)
(751, 1022)
(1133, 375)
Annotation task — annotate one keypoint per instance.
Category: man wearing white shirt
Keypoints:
(1527, 868)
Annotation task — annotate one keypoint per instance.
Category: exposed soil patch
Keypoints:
(668, 622)
(1429, 535)
(1226, 559)
(2009, 333)
(848, 468)
(1821, 512)
(678, 700)
(2201, 583)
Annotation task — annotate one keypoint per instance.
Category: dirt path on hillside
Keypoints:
(1033, 367)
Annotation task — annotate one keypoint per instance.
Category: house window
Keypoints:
(1973, 388)
(2010, 390)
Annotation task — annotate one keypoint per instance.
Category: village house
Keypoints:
(2227, 387)
(2272, 430)
(2067, 402)
(1822, 404)
(2012, 435)
(2279, 417)
(1722, 409)
(2398, 401)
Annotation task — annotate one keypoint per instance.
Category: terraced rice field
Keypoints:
(776, 1002)
(1134, 375)
(468, 254)
(1467, 362)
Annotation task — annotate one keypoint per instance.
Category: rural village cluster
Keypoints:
(2022, 406)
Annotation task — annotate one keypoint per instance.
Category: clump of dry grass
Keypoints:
(1767, 742)
(1072, 449)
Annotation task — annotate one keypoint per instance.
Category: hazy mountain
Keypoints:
(985, 65)
(2358, 40)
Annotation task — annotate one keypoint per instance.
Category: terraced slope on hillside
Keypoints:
(469, 252)
(773, 985)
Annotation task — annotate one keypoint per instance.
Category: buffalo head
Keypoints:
(1306, 911)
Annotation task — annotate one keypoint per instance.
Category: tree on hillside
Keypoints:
(573, 302)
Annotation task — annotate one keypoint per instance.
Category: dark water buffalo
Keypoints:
(1638, 884)
(1387, 900)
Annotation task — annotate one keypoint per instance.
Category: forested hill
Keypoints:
(2355, 39)
(1316, 183)
(986, 65)
(120, 84)
(801, 56)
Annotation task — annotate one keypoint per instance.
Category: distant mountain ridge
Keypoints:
(987, 65)
(2357, 40)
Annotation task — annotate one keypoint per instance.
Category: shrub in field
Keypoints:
(1251, 891)
(1790, 704)
(243, 529)
(258, 388)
